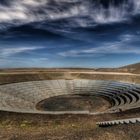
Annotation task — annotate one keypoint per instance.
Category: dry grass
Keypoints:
(64, 127)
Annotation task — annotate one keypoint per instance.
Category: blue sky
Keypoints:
(69, 33)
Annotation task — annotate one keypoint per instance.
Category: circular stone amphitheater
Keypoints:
(23, 97)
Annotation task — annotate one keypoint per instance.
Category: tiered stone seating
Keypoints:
(24, 96)
(116, 122)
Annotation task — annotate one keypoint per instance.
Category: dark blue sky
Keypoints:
(69, 33)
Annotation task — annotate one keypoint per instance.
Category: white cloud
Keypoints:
(122, 46)
(9, 51)
(13, 62)
(9, 56)
(26, 11)
(112, 49)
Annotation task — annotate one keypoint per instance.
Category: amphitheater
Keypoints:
(24, 96)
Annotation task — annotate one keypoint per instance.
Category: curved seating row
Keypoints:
(116, 122)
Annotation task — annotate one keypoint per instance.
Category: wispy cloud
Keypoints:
(11, 56)
(23, 61)
(122, 46)
(26, 11)
(10, 51)
(112, 49)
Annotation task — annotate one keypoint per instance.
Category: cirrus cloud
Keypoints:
(9, 51)
(27, 11)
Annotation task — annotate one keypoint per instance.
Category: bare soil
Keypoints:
(74, 103)
(16, 126)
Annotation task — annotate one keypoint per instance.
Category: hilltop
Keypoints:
(133, 68)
